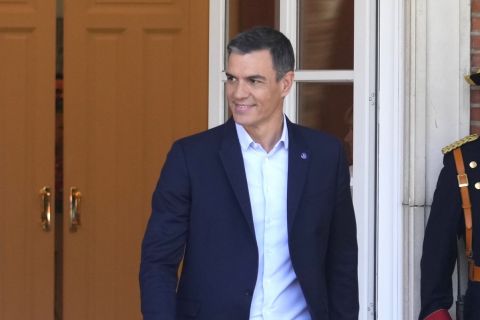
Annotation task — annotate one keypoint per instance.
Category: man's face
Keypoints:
(254, 95)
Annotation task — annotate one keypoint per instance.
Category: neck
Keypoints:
(267, 136)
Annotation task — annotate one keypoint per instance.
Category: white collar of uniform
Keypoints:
(246, 141)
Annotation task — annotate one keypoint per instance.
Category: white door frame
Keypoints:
(390, 124)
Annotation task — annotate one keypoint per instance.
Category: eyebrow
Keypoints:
(254, 76)
(257, 77)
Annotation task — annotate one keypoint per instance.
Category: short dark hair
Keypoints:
(261, 38)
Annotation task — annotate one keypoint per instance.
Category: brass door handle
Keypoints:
(75, 197)
(46, 202)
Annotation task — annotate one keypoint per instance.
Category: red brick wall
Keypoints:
(475, 65)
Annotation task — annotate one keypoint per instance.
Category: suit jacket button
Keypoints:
(248, 293)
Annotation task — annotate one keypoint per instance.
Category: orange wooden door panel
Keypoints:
(27, 106)
(136, 76)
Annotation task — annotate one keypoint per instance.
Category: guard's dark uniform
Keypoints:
(446, 222)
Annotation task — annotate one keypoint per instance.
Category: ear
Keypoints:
(287, 82)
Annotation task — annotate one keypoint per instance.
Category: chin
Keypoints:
(240, 119)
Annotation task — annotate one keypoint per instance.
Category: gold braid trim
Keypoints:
(459, 143)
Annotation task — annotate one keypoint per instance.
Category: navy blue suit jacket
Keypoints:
(201, 210)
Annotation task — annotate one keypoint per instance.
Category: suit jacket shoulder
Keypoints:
(314, 138)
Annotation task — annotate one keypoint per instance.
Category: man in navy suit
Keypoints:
(259, 208)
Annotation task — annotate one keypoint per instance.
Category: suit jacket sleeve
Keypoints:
(342, 255)
(165, 237)
(440, 243)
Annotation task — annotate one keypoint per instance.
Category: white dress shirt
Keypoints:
(277, 294)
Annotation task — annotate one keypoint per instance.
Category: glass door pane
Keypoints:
(245, 14)
(325, 34)
(328, 107)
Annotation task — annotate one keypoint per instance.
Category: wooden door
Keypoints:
(27, 106)
(136, 74)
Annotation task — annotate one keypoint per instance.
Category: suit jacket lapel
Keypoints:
(232, 160)
(298, 163)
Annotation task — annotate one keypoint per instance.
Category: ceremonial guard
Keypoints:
(455, 214)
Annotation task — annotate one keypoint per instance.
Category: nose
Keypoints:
(240, 90)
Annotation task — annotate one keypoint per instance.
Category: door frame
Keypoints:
(390, 155)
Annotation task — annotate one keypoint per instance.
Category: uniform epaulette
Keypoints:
(459, 143)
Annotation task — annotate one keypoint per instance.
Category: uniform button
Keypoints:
(473, 164)
(477, 185)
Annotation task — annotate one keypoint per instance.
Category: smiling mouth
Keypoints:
(242, 107)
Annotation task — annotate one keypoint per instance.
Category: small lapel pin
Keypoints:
(303, 155)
